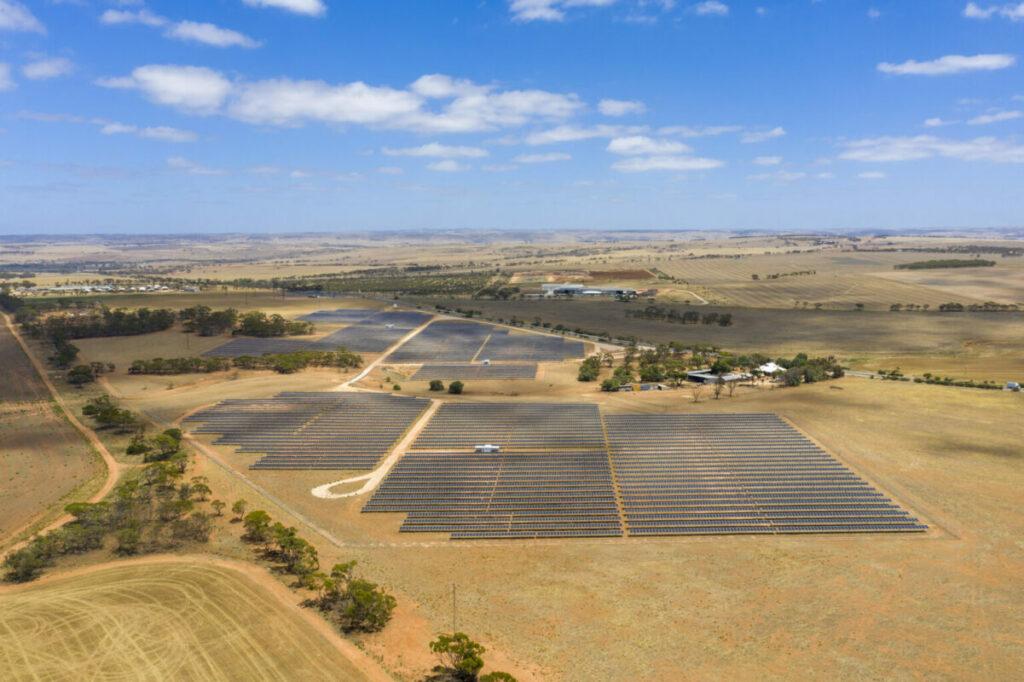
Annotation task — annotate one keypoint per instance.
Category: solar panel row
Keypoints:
(313, 430)
(462, 371)
(463, 341)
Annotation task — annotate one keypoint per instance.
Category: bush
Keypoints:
(456, 387)
(436, 385)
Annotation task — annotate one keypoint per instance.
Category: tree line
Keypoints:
(942, 263)
(666, 314)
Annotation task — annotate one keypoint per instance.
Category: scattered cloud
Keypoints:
(937, 122)
(162, 133)
(447, 166)
(549, 10)
(542, 158)
(570, 133)
(994, 117)
(194, 89)
(188, 31)
(437, 150)
(706, 131)
(640, 164)
(950, 64)
(620, 107)
(434, 103)
(711, 8)
(872, 175)
(42, 69)
(756, 136)
(768, 160)
(209, 34)
(873, 13)
(190, 167)
(311, 8)
(892, 149)
(1013, 12)
(641, 145)
(16, 17)
(390, 170)
(116, 17)
(6, 82)
(778, 176)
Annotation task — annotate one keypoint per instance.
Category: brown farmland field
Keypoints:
(44, 461)
(166, 618)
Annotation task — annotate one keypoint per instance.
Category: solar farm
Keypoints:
(368, 331)
(466, 370)
(460, 341)
(564, 470)
(326, 430)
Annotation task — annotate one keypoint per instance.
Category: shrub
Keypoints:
(436, 385)
(456, 387)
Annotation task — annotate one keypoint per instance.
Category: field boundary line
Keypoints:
(113, 466)
(255, 573)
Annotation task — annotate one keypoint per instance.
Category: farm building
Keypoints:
(705, 376)
(582, 290)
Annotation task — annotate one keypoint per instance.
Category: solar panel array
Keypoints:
(463, 341)
(369, 331)
(462, 371)
(559, 475)
(521, 426)
(551, 479)
(325, 430)
(452, 340)
(530, 347)
(738, 473)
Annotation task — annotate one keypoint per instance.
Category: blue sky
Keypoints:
(296, 115)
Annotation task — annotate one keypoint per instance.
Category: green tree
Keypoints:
(257, 527)
(218, 507)
(436, 385)
(461, 657)
(238, 508)
(456, 387)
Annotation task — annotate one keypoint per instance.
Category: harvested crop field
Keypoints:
(43, 459)
(163, 619)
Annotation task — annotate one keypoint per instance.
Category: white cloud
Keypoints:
(995, 117)
(757, 136)
(162, 133)
(620, 107)
(437, 150)
(768, 160)
(193, 88)
(390, 170)
(447, 166)
(646, 146)
(872, 175)
(190, 167)
(542, 158)
(115, 17)
(706, 131)
(549, 10)
(190, 31)
(950, 64)
(936, 122)
(1013, 12)
(891, 149)
(312, 8)
(570, 133)
(873, 13)
(827, 175)
(16, 17)
(711, 8)
(209, 34)
(434, 103)
(779, 176)
(42, 69)
(639, 164)
(6, 82)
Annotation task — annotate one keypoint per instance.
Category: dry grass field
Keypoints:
(945, 605)
(156, 619)
(44, 462)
